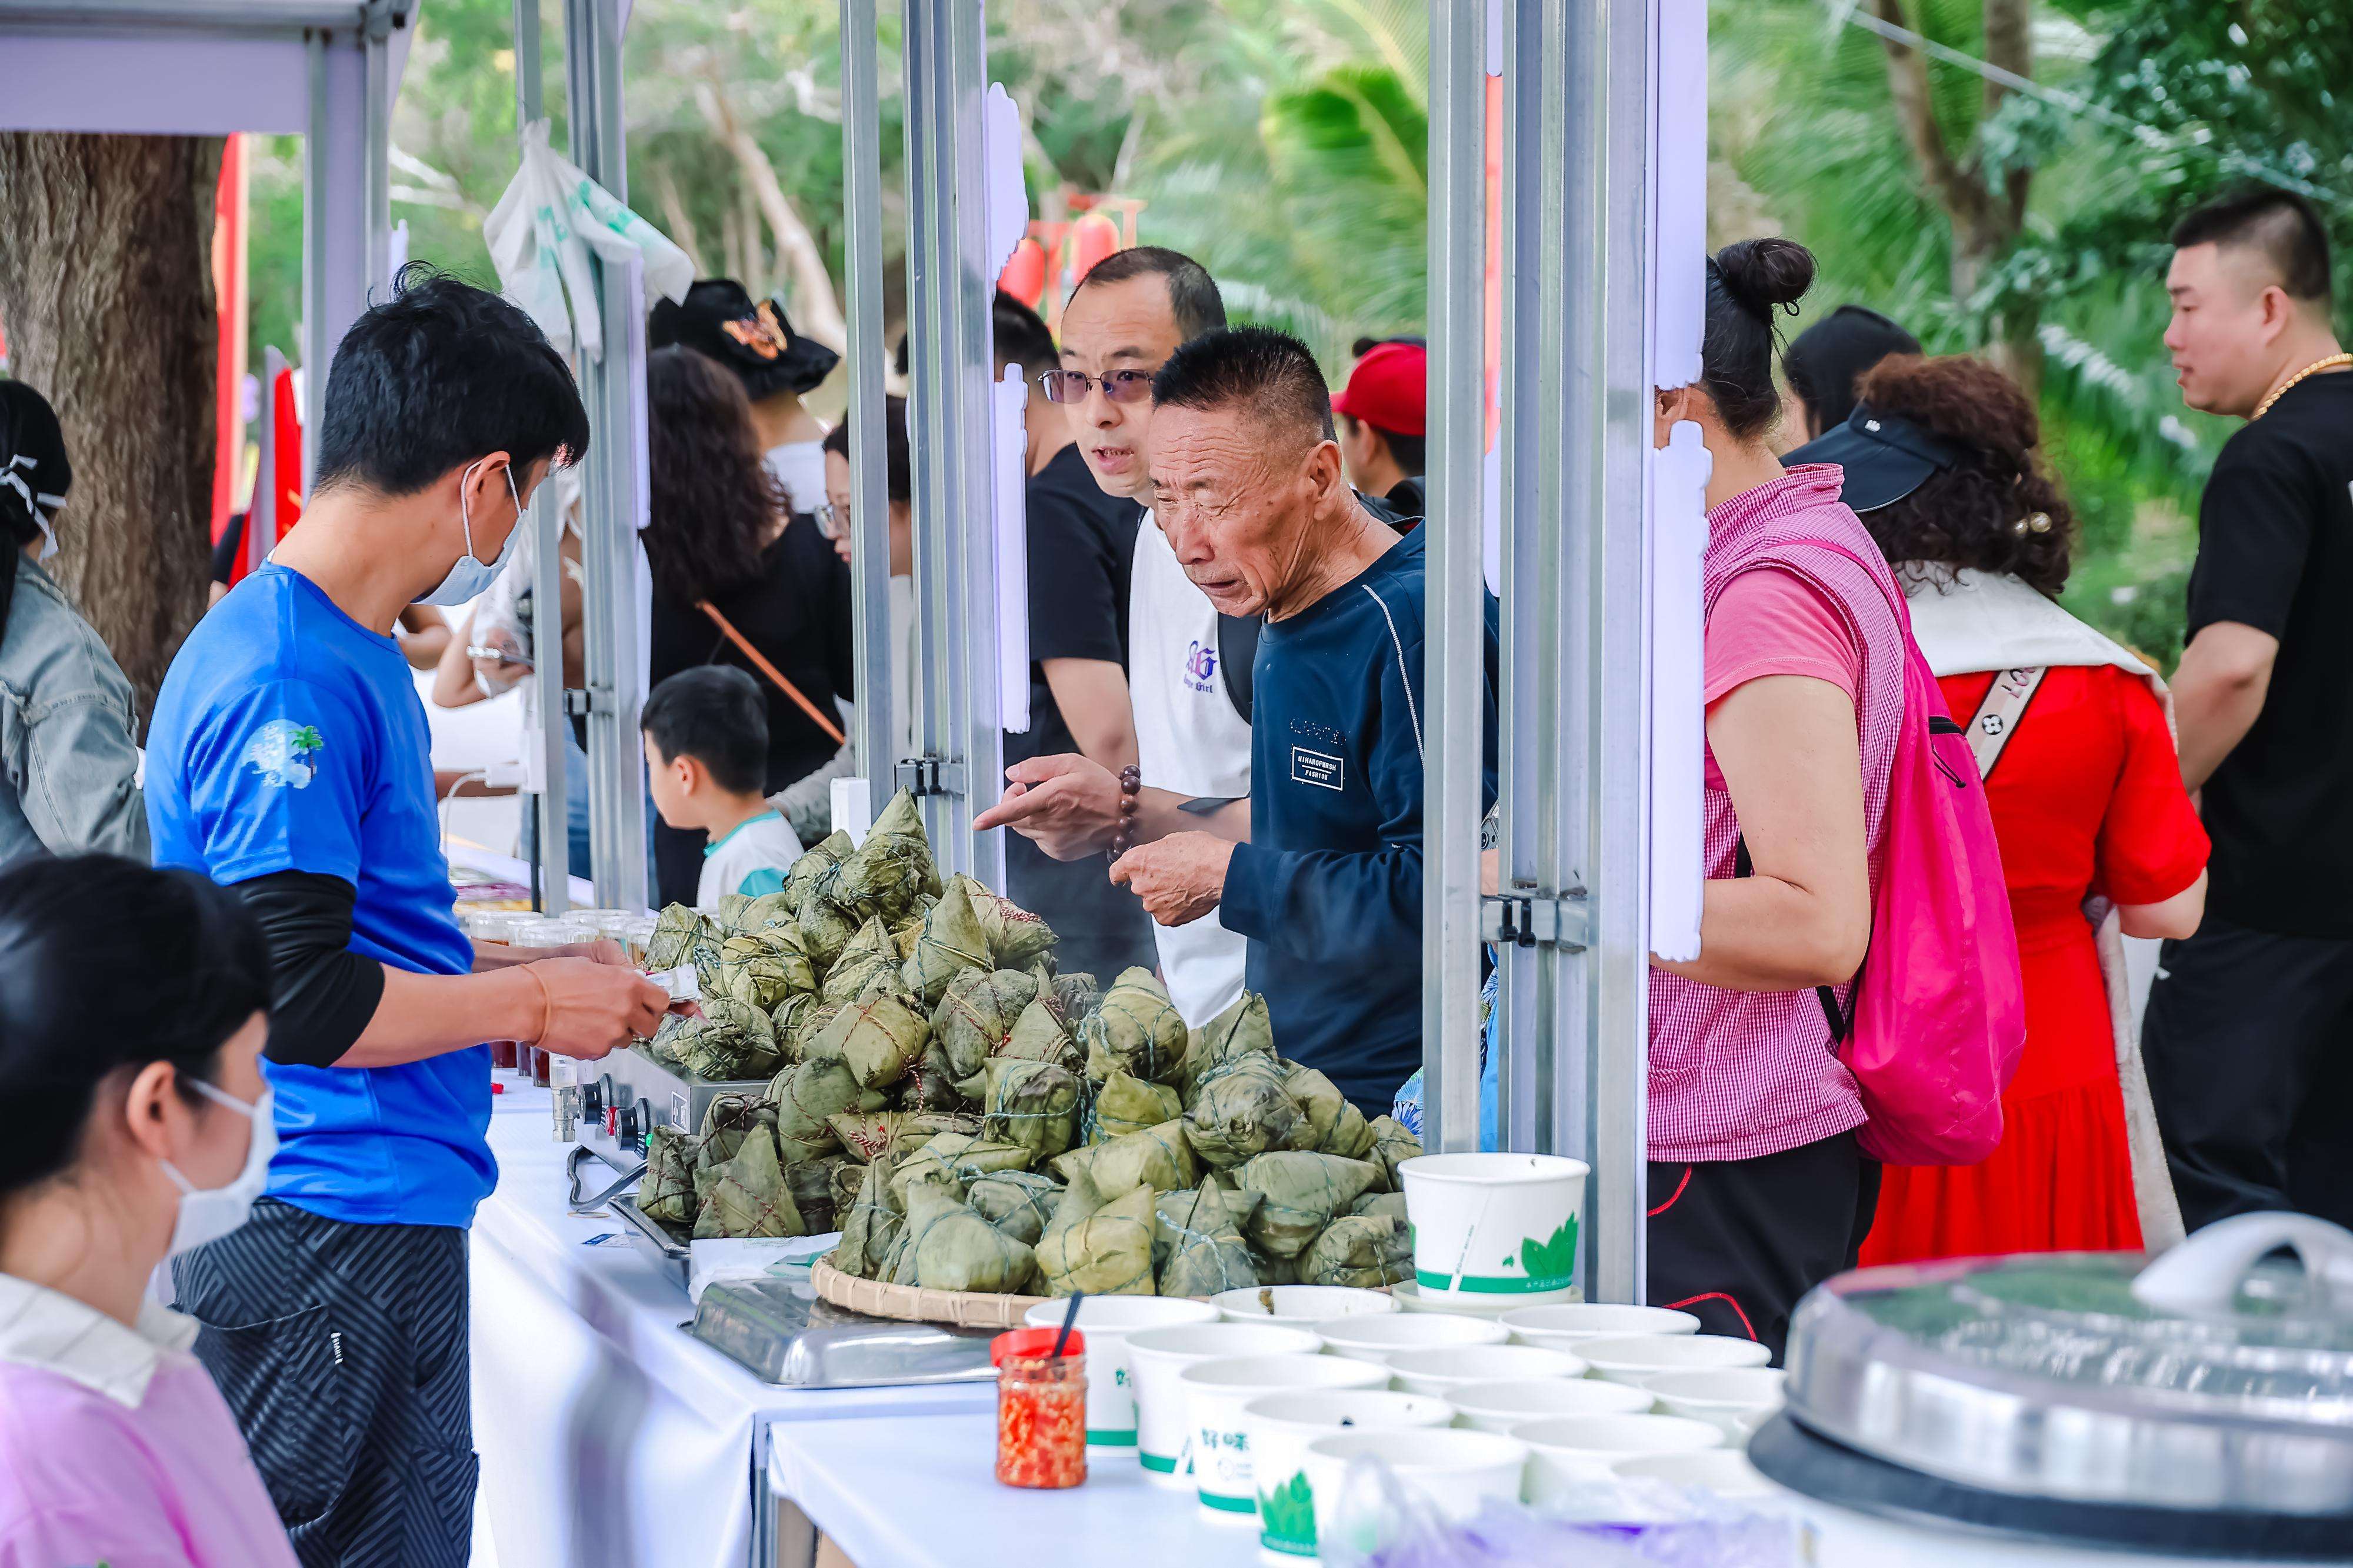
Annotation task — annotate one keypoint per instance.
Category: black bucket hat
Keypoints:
(757, 341)
(1885, 457)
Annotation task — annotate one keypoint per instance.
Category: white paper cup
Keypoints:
(1562, 1327)
(1638, 1357)
(1300, 1305)
(1215, 1393)
(1438, 1371)
(1571, 1452)
(1489, 1226)
(1107, 1321)
(1455, 1472)
(1500, 1406)
(1279, 1427)
(1724, 1398)
(1379, 1338)
(1155, 1358)
(1723, 1471)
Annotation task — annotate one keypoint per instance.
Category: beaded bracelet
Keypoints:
(1123, 837)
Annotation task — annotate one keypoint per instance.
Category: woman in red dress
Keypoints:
(2087, 800)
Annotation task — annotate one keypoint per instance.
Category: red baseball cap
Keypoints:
(1389, 389)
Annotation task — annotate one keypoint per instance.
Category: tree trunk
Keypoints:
(106, 286)
(816, 311)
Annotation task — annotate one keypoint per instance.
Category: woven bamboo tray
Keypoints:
(909, 1303)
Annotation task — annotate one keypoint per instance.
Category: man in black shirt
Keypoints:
(1081, 548)
(2249, 1035)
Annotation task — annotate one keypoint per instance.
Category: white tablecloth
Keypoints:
(924, 1494)
(609, 1439)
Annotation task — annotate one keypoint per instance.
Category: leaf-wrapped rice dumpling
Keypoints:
(958, 1158)
(870, 951)
(1327, 1123)
(1157, 1157)
(1242, 1029)
(950, 1248)
(727, 1122)
(748, 1196)
(975, 1015)
(732, 1041)
(1391, 1144)
(1036, 1036)
(1304, 1191)
(1021, 1203)
(762, 971)
(663, 1046)
(729, 912)
(1016, 938)
(887, 873)
(866, 1135)
(812, 1185)
(1367, 1251)
(1127, 1104)
(1390, 1205)
(666, 1194)
(1075, 996)
(820, 864)
(949, 942)
(1136, 1030)
(1032, 1103)
(1273, 1270)
(872, 1224)
(879, 1037)
(1239, 1109)
(848, 1176)
(1106, 1253)
(675, 930)
(769, 911)
(807, 1097)
(1197, 1243)
(826, 930)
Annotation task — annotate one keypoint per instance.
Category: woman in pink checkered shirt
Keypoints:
(1757, 1189)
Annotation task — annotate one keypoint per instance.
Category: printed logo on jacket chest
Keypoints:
(1320, 763)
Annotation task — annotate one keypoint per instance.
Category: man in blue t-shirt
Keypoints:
(289, 760)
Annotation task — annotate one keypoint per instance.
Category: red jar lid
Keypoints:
(1032, 1344)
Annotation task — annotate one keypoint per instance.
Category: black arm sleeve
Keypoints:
(321, 993)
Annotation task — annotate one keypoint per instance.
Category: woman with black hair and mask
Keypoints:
(1757, 1189)
(140, 1128)
(68, 766)
(739, 578)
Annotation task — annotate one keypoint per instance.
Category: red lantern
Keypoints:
(1091, 239)
(1024, 277)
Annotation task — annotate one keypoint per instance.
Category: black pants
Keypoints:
(2249, 1042)
(1737, 1242)
(342, 1351)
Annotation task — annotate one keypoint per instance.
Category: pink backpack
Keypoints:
(1938, 1013)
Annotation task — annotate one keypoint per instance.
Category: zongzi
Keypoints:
(1136, 1030)
(1304, 1191)
(1108, 1253)
(1367, 1251)
(1157, 1157)
(1032, 1103)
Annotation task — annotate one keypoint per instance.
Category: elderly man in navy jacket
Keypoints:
(1324, 876)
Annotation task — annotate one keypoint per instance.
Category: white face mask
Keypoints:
(207, 1213)
(470, 575)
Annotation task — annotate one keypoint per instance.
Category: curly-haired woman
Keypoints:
(2074, 736)
(719, 537)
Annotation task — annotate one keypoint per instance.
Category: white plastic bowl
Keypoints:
(1300, 1306)
(1561, 1327)
(1409, 1298)
(1500, 1406)
(1438, 1370)
(1379, 1338)
(1732, 1398)
(1155, 1358)
(1279, 1427)
(1638, 1357)
(1455, 1473)
(1571, 1453)
(1723, 1471)
(1215, 1392)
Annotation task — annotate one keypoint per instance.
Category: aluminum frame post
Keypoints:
(1455, 665)
(613, 478)
(545, 520)
(949, 420)
(346, 188)
(871, 654)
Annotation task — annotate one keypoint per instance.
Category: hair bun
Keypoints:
(1763, 273)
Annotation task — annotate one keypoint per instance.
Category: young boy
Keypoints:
(706, 755)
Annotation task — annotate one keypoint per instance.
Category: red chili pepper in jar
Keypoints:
(1042, 1408)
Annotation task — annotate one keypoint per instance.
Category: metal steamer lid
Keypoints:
(2206, 1379)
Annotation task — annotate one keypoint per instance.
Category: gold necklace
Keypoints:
(2315, 368)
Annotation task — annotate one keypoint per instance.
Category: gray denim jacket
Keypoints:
(71, 769)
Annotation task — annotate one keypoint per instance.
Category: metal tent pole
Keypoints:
(873, 657)
(545, 520)
(346, 181)
(1453, 655)
(614, 478)
(949, 423)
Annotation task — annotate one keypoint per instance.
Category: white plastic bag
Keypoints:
(542, 232)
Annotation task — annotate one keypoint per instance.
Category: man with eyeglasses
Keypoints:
(1123, 323)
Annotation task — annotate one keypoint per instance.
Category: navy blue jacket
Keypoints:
(1328, 889)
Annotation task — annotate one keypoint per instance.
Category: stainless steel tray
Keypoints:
(670, 1258)
(779, 1329)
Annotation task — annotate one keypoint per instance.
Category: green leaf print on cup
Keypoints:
(1287, 1517)
(1550, 1263)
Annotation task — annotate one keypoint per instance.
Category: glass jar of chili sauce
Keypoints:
(1042, 1408)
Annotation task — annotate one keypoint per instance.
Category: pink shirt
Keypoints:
(1772, 622)
(116, 1448)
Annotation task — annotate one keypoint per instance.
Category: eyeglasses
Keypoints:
(1118, 385)
(829, 519)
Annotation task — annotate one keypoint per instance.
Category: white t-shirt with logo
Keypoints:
(1190, 739)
